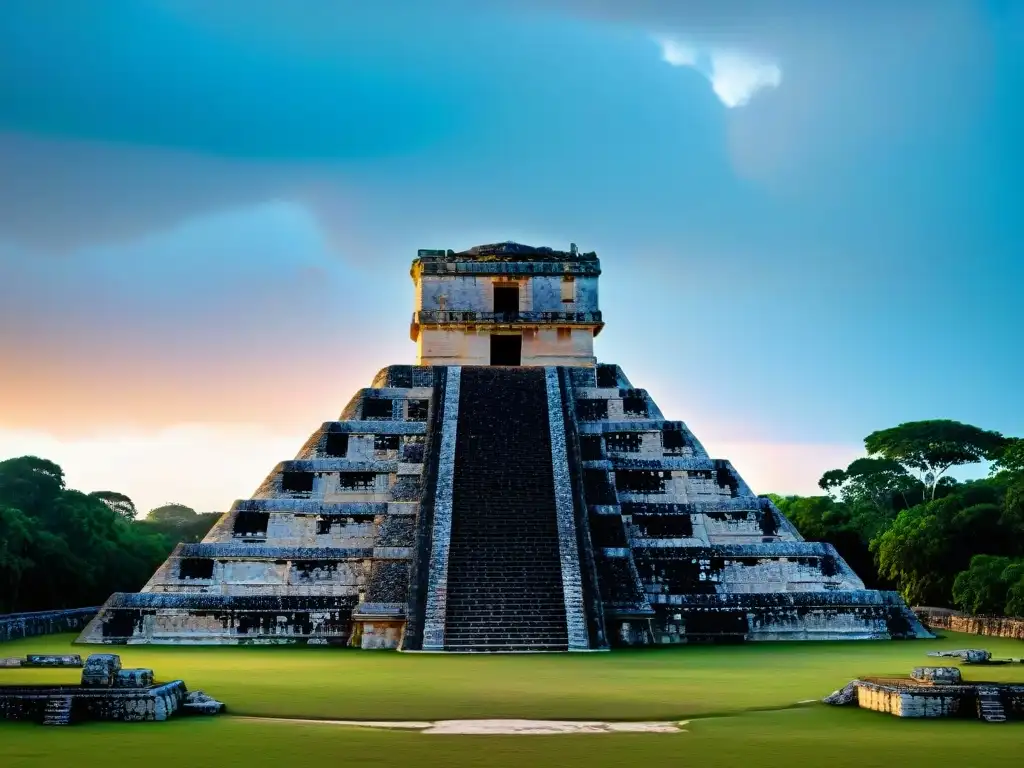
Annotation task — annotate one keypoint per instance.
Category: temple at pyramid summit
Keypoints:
(506, 493)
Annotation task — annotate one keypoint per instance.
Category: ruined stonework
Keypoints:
(106, 692)
(507, 493)
(934, 692)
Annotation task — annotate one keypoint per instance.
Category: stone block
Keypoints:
(133, 678)
(51, 660)
(101, 670)
(937, 675)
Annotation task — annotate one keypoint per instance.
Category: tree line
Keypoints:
(895, 515)
(903, 523)
(62, 548)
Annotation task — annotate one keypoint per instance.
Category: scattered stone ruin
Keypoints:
(934, 692)
(975, 656)
(106, 692)
(43, 660)
(507, 493)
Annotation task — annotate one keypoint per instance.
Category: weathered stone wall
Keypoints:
(437, 571)
(210, 619)
(556, 314)
(541, 346)
(915, 701)
(335, 525)
(669, 524)
(120, 704)
(18, 625)
(572, 579)
(475, 293)
(992, 626)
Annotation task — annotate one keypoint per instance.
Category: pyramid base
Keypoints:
(766, 616)
(149, 618)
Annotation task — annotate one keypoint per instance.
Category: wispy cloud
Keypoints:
(734, 76)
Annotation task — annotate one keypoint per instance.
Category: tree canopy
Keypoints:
(61, 548)
(933, 447)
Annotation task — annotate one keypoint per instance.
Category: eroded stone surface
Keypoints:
(933, 692)
(350, 541)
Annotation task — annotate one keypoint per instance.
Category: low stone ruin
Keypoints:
(43, 660)
(933, 692)
(106, 692)
(199, 703)
(967, 656)
(937, 675)
(974, 656)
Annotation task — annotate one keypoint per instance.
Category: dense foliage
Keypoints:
(894, 515)
(61, 548)
(902, 523)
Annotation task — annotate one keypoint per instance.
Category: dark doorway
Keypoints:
(506, 349)
(506, 298)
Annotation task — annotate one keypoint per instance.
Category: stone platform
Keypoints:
(106, 692)
(932, 692)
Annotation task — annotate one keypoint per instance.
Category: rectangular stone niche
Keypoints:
(336, 444)
(251, 523)
(195, 568)
(378, 408)
(297, 482)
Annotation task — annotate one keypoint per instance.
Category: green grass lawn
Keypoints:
(740, 699)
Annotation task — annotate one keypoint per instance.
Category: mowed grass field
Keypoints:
(741, 701)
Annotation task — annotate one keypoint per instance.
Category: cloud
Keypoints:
(856, 74)
(734, 76)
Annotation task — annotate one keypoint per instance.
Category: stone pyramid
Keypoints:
(508, 493)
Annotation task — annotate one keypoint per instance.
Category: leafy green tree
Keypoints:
(1010, 460)
(15, 549)
(932, 447)
(982, 588)
(927, 545)
(873, 480)
(118, 502)
(61, 548)
(171, 514)
(179, 522)
(1014, 578)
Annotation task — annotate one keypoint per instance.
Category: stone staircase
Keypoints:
(504, 565)
(57, 711)
(990, 705)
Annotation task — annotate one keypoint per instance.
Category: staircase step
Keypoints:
(504, 563)
(990, 706)
(57, 711)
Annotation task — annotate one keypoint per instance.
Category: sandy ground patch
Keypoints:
(499, 727)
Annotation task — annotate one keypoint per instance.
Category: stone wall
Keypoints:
(17, 625)
(210, 619)
(687, 552)
(124, 705)
(992, 626)
(906, 702)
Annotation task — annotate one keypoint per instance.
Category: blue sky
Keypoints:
(808, 213)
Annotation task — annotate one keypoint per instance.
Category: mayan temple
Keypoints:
(507, 493)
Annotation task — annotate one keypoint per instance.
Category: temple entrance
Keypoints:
(506, 298)
(506, 349)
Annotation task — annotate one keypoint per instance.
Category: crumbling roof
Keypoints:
(510, 251)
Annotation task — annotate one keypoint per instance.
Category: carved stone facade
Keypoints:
(539, 503)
